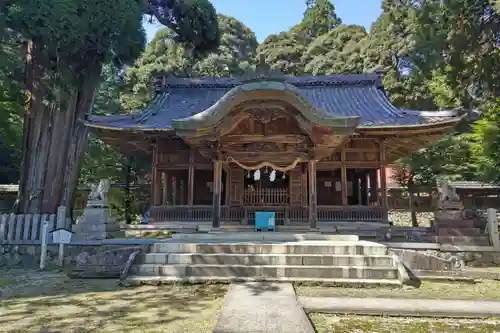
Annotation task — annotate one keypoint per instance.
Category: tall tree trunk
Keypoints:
(411, 196)
(54, 142)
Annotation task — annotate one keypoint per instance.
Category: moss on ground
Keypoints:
(327, 323)
(155, 234)
(482, 290)
(51, 302)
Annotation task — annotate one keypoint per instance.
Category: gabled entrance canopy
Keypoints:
(262, 121)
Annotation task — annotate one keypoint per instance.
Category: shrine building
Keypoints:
(313, 149)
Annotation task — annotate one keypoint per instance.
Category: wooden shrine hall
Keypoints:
(310, 148)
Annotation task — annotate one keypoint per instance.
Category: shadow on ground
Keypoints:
(51, 302)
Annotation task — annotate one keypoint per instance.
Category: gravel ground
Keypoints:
(403, 218)
(327, 323)
(34, 301)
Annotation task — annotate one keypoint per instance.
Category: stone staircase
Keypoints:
(336, 262)
(453, 227)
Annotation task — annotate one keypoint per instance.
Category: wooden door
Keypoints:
(236, 179)
(296, 187)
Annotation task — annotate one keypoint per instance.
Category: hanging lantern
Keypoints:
(256, 175)
(249, 175)
(284, 176)
(266, 171)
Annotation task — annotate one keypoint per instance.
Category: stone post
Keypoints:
(493, 227)
(61, 218)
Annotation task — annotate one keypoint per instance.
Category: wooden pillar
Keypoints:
(156, 186)
(191, 171)
(217, 185)
(343, 177)
(313, 209)
(383, 176)
(164, 179)
(372, 175)
(364, 188)
(227, 190)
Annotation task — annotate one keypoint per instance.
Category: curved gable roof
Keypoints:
(336, 95)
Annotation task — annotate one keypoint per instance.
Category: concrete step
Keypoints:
(274, 271)
(468, 232)
(299, 248)
(461, 240)
(265, 259)
(452, 223)
(155, 280)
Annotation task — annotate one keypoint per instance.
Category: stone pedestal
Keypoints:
(96, 224)
(451, 205)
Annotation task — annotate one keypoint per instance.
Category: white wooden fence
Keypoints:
(19, 229)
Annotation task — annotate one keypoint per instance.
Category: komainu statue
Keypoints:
(446, 192)
(448, 198)
(99, 192)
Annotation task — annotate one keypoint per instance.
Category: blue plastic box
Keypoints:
(265, 221)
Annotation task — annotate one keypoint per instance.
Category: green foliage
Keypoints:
(72, 36)
(235, 54)
(449, 157)
(191, 22)
(336, 52)
(458, 55)
(164, 56)
(486, 143)
(11, 104)
(319, 18)
(460, 40)
(389, 48)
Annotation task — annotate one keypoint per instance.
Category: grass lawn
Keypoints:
(327, 323)
(483, 290)
(51, 302)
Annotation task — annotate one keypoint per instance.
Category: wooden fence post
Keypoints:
(43, 255)
(3, 227)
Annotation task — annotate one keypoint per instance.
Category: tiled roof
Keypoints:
(473, 185)
(341, 95)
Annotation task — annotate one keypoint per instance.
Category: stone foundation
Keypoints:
(29, 255)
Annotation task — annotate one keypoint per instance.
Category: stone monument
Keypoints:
(95, 223)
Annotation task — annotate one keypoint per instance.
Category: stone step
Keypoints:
(272, 271)
(452, 223)
(362, 283)
(468, 232)
(265, 259)
(450, 214)
(331, 248)
(463, 240)
(261, 237)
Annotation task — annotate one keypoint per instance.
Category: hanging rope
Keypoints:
(264, 164)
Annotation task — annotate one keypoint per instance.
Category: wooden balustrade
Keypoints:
(352, 213)
(181, 213)
(266, 196)
(283, 213)
(298, 214)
